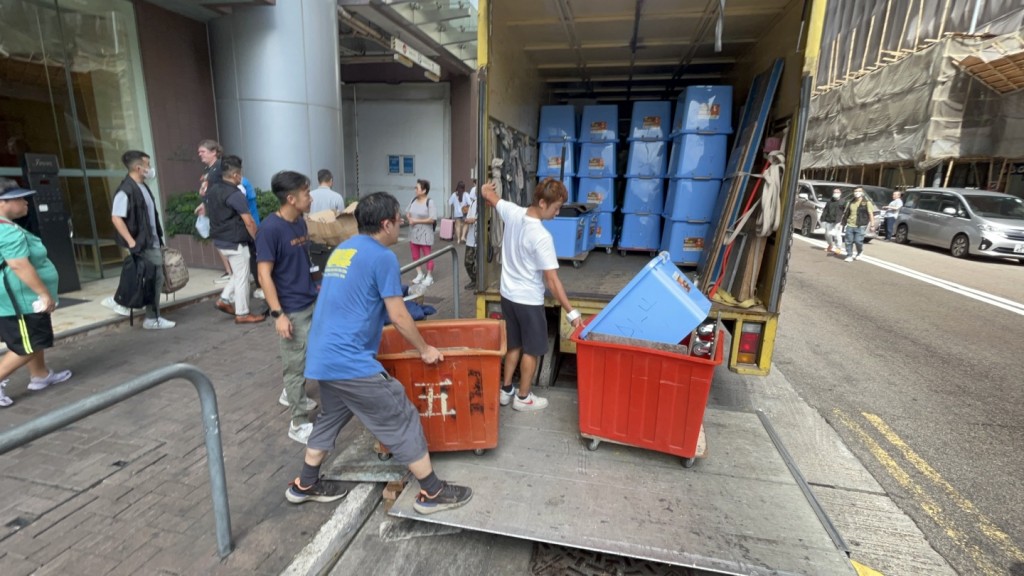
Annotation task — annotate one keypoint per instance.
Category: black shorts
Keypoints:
(526, 327)
(27, 334)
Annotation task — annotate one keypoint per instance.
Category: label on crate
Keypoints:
(693, 243)
(598, 127)
(709, 111)
(579, 229)
(682, 281)
(596, 163)
(554, 161)
(652, 122)
(595, 197)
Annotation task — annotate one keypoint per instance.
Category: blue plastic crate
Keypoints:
(569, 183)
(597, 160)
(590, 241)
(684, 241)
(647, 159)
(644, 196)
(704, 110)
(557, 123)
(604, 229)
(699, 156)
(550, 159)
(691, 200)
(640, 232)
(600, 123)
(570, 230)
(651, 121)
(600, 191)
(659, 304)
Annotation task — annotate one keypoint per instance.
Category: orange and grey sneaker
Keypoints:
(448, 497)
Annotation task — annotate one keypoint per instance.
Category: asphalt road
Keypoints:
(923, 382)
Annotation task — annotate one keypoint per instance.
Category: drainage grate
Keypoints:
(19, 523)
(550, 560)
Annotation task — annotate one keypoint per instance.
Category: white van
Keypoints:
(965, 221)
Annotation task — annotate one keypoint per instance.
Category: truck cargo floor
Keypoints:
(738, 511)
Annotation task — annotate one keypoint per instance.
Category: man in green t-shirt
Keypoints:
(857, 217)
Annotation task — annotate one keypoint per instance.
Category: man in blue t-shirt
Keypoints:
(361, 289)
(286, 276)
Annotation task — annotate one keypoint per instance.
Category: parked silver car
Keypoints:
(811, 196)
(963, 220)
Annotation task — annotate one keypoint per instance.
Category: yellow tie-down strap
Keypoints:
(724, 297)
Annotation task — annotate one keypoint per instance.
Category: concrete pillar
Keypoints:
(277, 87)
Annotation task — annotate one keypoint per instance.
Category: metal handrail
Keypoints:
(455, 269)
(43, 425)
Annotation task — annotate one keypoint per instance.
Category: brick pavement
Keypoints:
(126, 491)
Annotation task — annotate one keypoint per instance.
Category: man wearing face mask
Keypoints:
(831, 215)
(858, 215)
(137, 222)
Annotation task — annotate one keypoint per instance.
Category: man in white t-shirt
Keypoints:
(324, 198)
(528, 264)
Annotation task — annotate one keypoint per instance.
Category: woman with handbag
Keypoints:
(28, 296)
(459, 204)
(422, 219)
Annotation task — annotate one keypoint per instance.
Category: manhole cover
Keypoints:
(550, 560)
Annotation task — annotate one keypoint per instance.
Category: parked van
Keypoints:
(963, 220)
(813, 194)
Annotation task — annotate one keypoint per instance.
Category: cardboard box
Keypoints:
(328, 228)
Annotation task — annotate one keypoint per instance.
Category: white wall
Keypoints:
(407, 119)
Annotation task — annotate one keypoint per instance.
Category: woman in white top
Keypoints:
(459, 202)
(421, 217)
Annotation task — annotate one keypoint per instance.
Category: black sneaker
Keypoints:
(323, 491)
(448, 497)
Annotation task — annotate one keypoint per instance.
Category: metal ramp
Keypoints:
(738, 511)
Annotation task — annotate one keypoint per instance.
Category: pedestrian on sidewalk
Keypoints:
(361, 288)
(892, 210)
(249, 191)
(528, 264)
(324, 198)
(458, 202)
(27, 298)
(422, 217)
(135, 218)
(210, 152)
(286, 274)
(470, 258)
(232, 229)
(858, 217)
(831, 214)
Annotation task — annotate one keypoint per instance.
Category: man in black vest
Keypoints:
(232, 230)
(137, 223)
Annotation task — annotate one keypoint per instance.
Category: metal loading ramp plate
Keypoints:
(738, 511)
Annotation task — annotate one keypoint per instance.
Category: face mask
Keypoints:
(150, 173)
(857, 195)
(835, 196)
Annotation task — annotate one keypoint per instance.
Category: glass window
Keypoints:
(929, 202)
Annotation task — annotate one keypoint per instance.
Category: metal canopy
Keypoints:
(635, 50)
(739, 511)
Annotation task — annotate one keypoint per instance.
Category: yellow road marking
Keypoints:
(920, 497)
(987, 527)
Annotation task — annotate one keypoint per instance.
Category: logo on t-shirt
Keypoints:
(339, 262)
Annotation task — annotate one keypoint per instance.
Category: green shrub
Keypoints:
(266, 203)
(180, 217)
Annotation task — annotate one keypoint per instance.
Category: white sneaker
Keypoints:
(300, 433)
(157, 324)
(419, 277)
(848, 259)
(532, 402)
(506, 397)
(5, 400)
(858, 255)
(109, 303)
(223, 279)
(258, 293)
(428, 280)
(308, 404)
(51, 378)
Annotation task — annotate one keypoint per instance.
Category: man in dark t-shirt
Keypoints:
(232, 229)
(286, 276)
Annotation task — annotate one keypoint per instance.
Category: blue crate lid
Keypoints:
(660, 304)
(704, 110)
(600, 123)
(557, 123)
(651, 121)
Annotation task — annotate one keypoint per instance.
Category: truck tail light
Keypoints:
(750, 343)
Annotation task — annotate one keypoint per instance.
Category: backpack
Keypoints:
(136, 287)
(175, 271)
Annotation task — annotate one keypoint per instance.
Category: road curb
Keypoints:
(320, 555)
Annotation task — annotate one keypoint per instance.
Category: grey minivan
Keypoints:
(965, 221)
(811, 196)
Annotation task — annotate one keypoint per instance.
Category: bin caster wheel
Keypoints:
(383, 456)
(575, 263)
(689, 462)
(608, 250)
(479, 451)
(593, 444)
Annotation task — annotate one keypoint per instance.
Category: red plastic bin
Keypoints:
(643, 397)
(457, 398)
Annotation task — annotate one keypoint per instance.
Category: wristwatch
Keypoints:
(276, 313)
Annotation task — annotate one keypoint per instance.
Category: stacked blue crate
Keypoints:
(556, 147)
(646, 167)
(597, 170)
(696, 166)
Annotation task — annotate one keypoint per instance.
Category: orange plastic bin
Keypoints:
(457, 398)
(642, 397)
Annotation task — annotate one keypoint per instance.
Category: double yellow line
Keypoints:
(957, 534)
